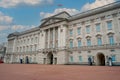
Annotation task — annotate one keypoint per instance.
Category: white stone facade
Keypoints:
(66, 39)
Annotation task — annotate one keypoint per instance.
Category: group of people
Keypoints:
(22, 61)
(90, 61)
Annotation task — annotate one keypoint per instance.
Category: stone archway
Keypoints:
(100, 59)
(50, 58)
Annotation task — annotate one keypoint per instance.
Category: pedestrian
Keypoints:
(21, 61)
(110, 61)
(89, 61)
(27, 60)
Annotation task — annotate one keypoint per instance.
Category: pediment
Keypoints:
(56, 18)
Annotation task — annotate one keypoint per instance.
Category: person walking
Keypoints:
(90, 61)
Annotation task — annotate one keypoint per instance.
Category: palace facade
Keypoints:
(66, 39)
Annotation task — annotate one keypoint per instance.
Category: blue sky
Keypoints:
(19, 15)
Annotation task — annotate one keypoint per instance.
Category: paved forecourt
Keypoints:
(58, 72)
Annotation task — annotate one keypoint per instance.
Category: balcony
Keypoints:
(95, 47)
(28, 52)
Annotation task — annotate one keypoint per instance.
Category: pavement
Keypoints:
(58, 72)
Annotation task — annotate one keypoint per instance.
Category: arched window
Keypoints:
(111, 40)
(71, 43)
(88, 40)
(99, 41)
(79, 43)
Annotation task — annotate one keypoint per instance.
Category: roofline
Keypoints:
(30, 30)
(104, 8)
(56, 15)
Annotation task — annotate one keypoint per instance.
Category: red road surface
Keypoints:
(58, 72)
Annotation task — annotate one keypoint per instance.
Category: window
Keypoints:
(36, 39)
(79, 31)
(17, 49)
(80, 58)
(88, 29)
(28, 40)
(71, 44)
(71, 32)
(111, 40)
(109, 25)
(20, 49)
(98, 27)
(113, 58)
(88, 42)
(99, 41)
(71, 58)
(79, 43)
(112, 50)
(27, 48)
(31, 40)
(30, 48)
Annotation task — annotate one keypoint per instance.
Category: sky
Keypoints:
(20, 15)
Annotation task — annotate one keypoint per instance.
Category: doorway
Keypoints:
(50, 58)
(101, 59)
(55, 61)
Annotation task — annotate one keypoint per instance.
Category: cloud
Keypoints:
(3, 27)
(56, 11)
(4, 19)
(13, 3)
(96, 4)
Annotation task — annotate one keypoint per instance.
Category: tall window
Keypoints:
(35, 47)
(79, 43)
(36, 39)
(79, 31)
(88, 29)
(71, 58)
(28, 40)
(111, 40)
(20, 49)
(71, 32)
(30, 48)
(113, 58)
(109, 25)
(99, 41)
(31, 40)
(88, 42)
(80, 58)
(98, 27)
(71, 43)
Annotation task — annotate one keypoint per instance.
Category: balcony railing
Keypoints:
(27, 52)
(96, 47)
(82, 48)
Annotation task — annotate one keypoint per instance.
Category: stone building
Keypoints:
(66, 39)
(2, 51)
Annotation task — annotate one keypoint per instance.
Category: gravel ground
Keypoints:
(58, 72)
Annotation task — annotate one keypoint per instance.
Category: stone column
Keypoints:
(53, 37)
(48, 38)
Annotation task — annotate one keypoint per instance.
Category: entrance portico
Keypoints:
(50, 58)
(100, 59)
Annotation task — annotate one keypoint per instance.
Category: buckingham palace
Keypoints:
(70, 39)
